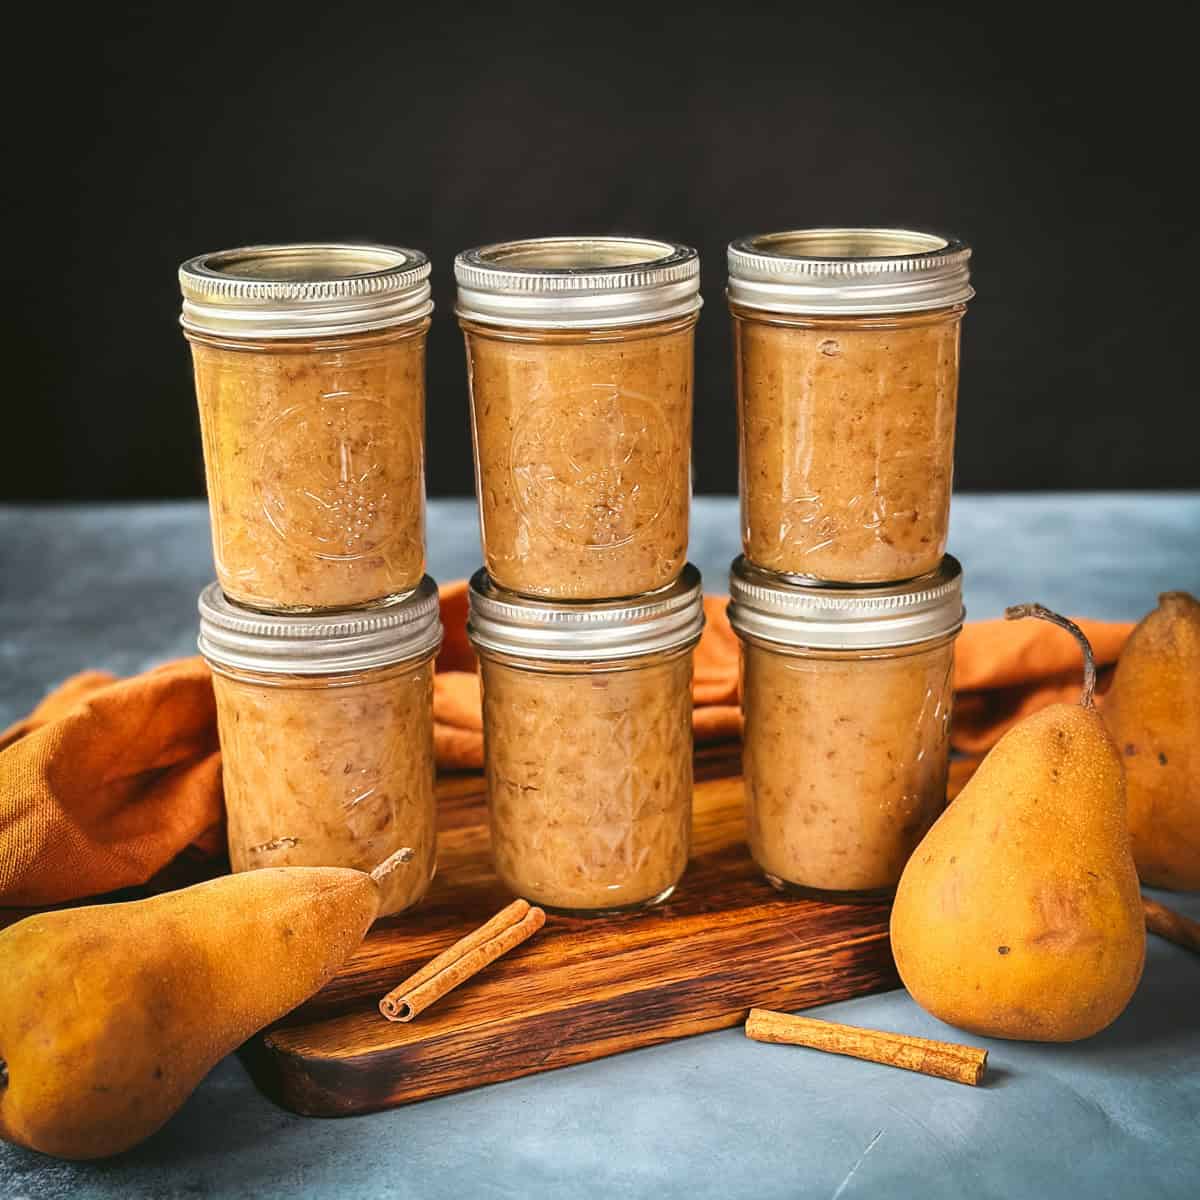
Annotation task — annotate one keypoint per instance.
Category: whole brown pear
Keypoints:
(1153, 712)
(110, 1015)
(1019, 914)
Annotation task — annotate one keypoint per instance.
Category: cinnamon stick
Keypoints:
(468, 956)
(946, 1060)
(1173, 926)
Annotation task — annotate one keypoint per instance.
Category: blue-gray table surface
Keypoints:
(716, 1115)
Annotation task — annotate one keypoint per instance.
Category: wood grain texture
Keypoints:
(581, 989)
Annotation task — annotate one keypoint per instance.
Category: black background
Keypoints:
(142, 134)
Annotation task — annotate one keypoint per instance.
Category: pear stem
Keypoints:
(404, 855)
(1016, 611)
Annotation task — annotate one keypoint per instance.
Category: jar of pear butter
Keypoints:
(579, 353)
(587, 726)
(846, 344)
(326, 728)
(310, 377)
(846, 695)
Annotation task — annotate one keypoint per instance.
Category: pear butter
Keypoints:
(847, 350)
(579, 355)
(326, 728)
(310, 377)
(846, 696)
(587, 724)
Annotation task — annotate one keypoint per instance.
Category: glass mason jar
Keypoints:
(310, 376)
(846, 695)
(587, 728)
(326, 728)
(846, 345)
(579, 357)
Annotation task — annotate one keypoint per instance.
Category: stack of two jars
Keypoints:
(586, 612)
(322, 627)
(844, 600)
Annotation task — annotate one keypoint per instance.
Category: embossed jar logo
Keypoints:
(328, 473)
(592, 469)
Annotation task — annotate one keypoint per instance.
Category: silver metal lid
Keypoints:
(326, 644)
(848, 271)
(305, 290)
(764, 607)
(667, 619)
(577, 282)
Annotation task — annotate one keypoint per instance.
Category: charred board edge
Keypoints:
(315, 1085)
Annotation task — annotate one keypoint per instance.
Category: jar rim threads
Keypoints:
(304, 290)
(326, 643)
(771, 608)
(504, 622)
(577, 282)
(849, 270)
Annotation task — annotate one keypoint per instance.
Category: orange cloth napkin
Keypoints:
(108, 780)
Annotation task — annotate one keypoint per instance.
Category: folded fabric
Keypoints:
(108, 780)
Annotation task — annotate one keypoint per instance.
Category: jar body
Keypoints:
(332, 771)
(846, 428)
(845, 759)
(582, 456)
(589, 775)
(314, 457)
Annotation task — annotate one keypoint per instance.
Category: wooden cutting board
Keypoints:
(581, 989)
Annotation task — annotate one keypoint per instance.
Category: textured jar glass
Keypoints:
(588, 759)
(323, 765)
(580, 360)
(845, 749)
(847, 365)
(310, 377)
